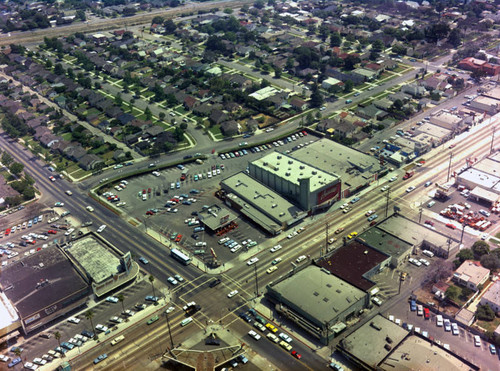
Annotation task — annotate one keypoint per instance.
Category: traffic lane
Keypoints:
(278, 356)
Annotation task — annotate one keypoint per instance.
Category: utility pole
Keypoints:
(462, 235)
(449, 168)
(387, 197)
(326, 240)
(256, 281)
(420, 215)
(169, 331)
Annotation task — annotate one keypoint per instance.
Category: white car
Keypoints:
(232, 293)
(90, 209)
(384, 188)
(116, 319)
(393, 179)
(285, 337)
(276, 248)
(454, 329)
(169, 310)
(377, 301)
(4, 358)
(425, 262)
(236, 248)
(73, 320)
(409, 189)
(301, 258)
(252, 261)
(172, 280)
(101, 328)
(101, 228)
(253, 334)
(415, 262)
(447, 324)
(30, 366)
(112, 299)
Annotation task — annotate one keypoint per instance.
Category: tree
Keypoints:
(89, 315)
(121, 299)
(148, 113)
(277, 72)
(58, 69)
(351, 61)
(57, 335)
(170, 27)
(16, 168)
(378, 45)
(480, 248)
(7, 159)
(348, 86)
(455, 37)
(259, 4)
(452, 293)
(17, 351)
(157, 20)
(485, 313)
(80, 14)
(118, 99)
(490, 261)
(161, 115)
(317, 99)
(465, 254)
(152, 279)
(335, 39)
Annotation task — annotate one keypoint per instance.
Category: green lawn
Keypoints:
(489, 326)
(215, 130)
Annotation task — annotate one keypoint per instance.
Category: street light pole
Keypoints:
(169, 331)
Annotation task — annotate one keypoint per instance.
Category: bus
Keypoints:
(186, 321)
(180, 256)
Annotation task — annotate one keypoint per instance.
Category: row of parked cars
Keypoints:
(281, 338)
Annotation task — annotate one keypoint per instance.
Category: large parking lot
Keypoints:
(169, 200)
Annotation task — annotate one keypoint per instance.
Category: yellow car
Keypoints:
(352, 235)
(271, 328)
(271, 269)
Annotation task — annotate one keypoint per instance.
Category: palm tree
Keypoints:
(57, 335)
(17, 351)
(121, 298)
(89, 315)
(152, 279)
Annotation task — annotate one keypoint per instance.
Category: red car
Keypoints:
(149, 190)
(304, 132)
(7, 231)
(452, 226)
(178, 238)
(149, 212)
(32, 242)
(296, 355)
(429, 222)
(51, 231)
(426, 313)
(143, 191)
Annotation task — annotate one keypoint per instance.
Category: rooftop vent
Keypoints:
(274, 205)
(375, 326)
(302, 167)
(279, 157)
(314, 172)
(315, 293)
(290, 162)
(366, 252)
(326, 300)
(338, 291)
(282, 214)
(287, 173)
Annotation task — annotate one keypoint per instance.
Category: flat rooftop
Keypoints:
(216, 217)
(489, 166)
(351, 262)
(262, 197)
(368, 342)
(433, 130)
(96, 258)
(40, 280)
(291, 170)
(335, 158)
(320, 294)
(416, 353)
(385, 242)
(486, 100)
(487, 181)
(414, 233)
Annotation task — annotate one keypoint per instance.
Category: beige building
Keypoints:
(492, 297)
(471, 274)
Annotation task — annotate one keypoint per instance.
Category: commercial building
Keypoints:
(448, 121)
(436, 134)
(264, 93)
(398, 249)
(380, 344)
(260, 203)
(353, 168)
(305, 185)
(317, 301)
(418, 236)
(105, 266)
(39, 288)
(471, 274)
(486, 104)
(216, 218)
(355, 263)
(483, 179)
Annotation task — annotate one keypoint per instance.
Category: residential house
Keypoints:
(218, 116)
(371, 112)
(75, 152)
(492, 297)
(152, 131)
(119, 155)
(125, 118)
(471, 274)
(298, 104)
(414, 90)
(229, 128)
(90, 161)
(190, 102)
